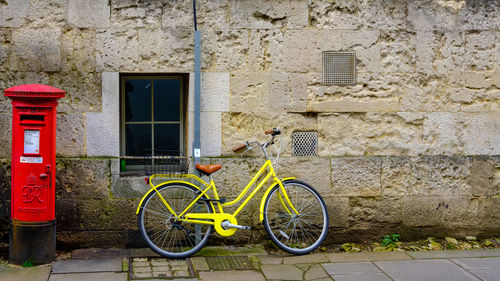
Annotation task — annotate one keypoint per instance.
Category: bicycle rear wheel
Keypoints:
(162, 232)
(297, 234)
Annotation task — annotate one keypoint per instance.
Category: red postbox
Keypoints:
(33, 223)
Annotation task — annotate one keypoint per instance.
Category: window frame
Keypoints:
(182, 112)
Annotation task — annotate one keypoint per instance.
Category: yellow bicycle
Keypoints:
(177, 217)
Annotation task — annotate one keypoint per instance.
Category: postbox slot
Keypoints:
(32, 117)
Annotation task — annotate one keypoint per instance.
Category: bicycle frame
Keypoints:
(217, 218)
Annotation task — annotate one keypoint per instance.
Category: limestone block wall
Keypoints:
(413, 147)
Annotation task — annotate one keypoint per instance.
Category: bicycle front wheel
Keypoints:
(162, 232)
(300, 233)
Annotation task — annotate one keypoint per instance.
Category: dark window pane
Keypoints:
(137, 100)
(167, 99)
(167, 138)
(138, 139)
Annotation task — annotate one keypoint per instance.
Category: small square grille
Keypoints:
(305, 143)
(339, 68)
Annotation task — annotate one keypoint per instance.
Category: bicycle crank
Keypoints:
(218, 220)
(227, 224)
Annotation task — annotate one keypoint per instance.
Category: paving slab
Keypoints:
(281, 272)
(107, 276)
(270, 259)
(142, 252)
(37, 273)
(311, 258)
(315, 272)
(362, 277)
(87, 265)
(350, 268)
(199, 264)
(454, 254)
(425, 270)
(236, 275)
(478, 263)
(253, 250)
(487, 275)
(100, 253)
(368, 256)
(175, 279)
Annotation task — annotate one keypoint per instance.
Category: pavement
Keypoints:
(254, 263)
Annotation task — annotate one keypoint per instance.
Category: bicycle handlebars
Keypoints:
(273, 132)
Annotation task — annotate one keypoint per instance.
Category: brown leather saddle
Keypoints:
(208, 169)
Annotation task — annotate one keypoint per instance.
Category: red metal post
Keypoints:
(33, 222)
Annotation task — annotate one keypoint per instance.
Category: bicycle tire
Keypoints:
(183, 239)
(294, 234)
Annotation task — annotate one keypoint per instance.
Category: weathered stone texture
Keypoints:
(259, 92)
(398, 50)
(462, 133)
(356, 177)
(388, 14)
(468, 212)
(338, 211)
(83, 91)
(102, 131)
(395, 178)
(366, 212)
(440, 51)
(303, 48)
(233, 133)
(358, 14)
(6, 136)
(335, 15)
(78, 50)
(127, 187)
(82, 179)
(136, 13)
(36, 50)
(13, 12)
(297, 101)
(44, 13)
(215, 91)
(424, 92)
(158, 49)
(368, 134)
(480, 50)
(300, 167)
(440, 175)
(210, 133)
(433, 15)
(70, 134)
(482, 134)
(210, 14)
(89, 14)
(374, 92)
(102, 215)
(290, 14)
(479, 15)
(264, 50)
(481, 178)
(421, 211)
(225, 50)
(117, 49)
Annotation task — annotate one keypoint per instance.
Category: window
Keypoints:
(152, 117)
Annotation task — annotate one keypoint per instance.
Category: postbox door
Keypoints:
(32, 194)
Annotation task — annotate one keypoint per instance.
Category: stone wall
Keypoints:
(413, 147)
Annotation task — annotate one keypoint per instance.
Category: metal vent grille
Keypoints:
(339, 68)
(305, 143)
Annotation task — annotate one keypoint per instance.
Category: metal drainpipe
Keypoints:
(197, 90)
